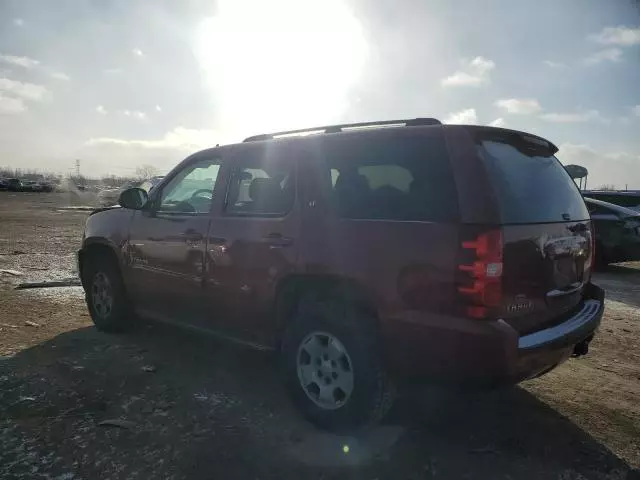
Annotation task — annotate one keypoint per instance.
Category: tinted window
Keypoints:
(626, 200)
(392, 178)
(531, 187)
(191, 190)
(261, 185)
(597, 209)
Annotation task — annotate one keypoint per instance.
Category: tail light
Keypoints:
(479, 276)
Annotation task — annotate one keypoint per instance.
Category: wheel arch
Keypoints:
(292, 288)
(96, 247)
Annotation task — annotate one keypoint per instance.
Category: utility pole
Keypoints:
(78, 168)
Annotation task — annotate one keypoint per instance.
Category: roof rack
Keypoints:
(412, 122)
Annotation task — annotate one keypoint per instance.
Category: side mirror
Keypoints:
(133, 198)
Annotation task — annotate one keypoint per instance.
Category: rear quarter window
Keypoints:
(391, 177)
(531, 187)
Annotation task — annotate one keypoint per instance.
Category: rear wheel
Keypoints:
(106, 296)
(332, 365)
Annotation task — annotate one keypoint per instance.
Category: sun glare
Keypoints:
(279, 64)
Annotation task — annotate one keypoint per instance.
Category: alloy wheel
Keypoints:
(325, 370)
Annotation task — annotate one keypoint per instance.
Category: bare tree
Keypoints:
(607, 187)
(146, 171)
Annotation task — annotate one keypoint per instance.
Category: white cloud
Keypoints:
(25, 62)
(101, 110)
(158, 108)
(607, 55)
(521, 106)
(28, 91)
(636, 110)
(498, 122)
(612, 168)
(620, 35)
(18, 22)
(474, 74)
(9, 105)
(120, 156)
(552, 64)
(179, 137)
(137, 52)
(135, 114)
(60, 76)
(465, 117)
(33, 64)
(578, 117)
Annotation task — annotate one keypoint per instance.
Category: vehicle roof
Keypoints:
(309, 136)
(632, 193)
(627, 212)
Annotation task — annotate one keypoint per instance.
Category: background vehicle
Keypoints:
(31, 186)
(109, 197)
(629, 199)
(362, 255)
(617, 232)
(14, 185)
(4, 184)
(150, 183)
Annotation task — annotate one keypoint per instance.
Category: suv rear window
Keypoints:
(532, 186)
(392, 177)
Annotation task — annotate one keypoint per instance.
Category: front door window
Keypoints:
(191, 190)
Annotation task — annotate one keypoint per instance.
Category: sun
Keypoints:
(279, 64)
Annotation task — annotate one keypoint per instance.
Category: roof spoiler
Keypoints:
(515, 137)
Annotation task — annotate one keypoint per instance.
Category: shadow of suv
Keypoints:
(362, 253)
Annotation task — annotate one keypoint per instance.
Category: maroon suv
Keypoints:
(361, 253)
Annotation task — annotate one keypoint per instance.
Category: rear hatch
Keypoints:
(546, 230)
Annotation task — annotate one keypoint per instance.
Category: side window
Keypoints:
(191, 190)
(261, 185)
(628, 201)
(596, 209)
(394, 178)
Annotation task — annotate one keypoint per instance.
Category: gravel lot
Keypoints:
(161, 403)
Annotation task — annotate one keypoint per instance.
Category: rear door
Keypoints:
(547, 232)
(252, 241)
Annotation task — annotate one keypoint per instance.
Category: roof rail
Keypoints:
(412, 122)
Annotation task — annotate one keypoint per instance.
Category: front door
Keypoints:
(167, 242)
(252, 241)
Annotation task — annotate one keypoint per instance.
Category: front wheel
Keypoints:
(332, 366)
(106, 296)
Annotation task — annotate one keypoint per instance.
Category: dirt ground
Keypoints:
(162, 403)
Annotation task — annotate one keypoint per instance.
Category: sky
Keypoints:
(121, 83)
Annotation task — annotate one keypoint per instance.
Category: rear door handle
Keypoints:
(276, 240)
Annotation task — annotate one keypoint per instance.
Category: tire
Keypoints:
(601, 261)
(352, 344)
(106, 296)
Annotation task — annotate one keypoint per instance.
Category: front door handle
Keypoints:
(277, 240)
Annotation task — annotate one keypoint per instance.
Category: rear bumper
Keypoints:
(459, 350)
